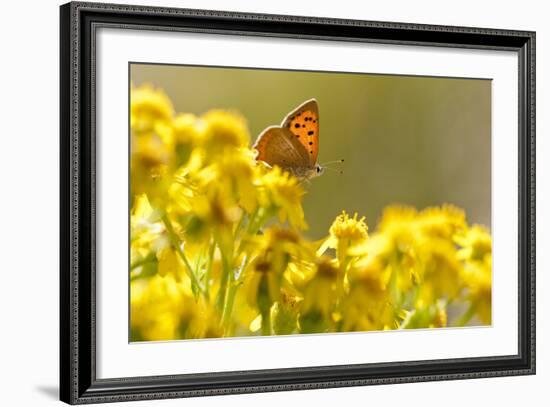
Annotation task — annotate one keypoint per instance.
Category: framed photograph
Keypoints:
(255, 203)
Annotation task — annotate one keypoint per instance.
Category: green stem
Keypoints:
(231, 293)
(233, 284)
(243, 267)
(226, 271)
(264, 306)
(396, 296)
(228, 305)
(228, 284)
(464, 319)
(266, 322)
(176, 244)
(208, 274)
(251, 220)
(240, 225)
(257, 219)
(340, 292)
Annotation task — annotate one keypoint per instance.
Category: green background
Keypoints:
(412, 140)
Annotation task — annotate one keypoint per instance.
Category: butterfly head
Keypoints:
(308, 172)
(319, 170)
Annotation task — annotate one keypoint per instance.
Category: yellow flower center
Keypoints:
(149, 105)
(283, 185)
(352, 229)
(225, 129)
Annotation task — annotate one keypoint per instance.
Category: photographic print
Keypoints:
(279, 202)
(240, 193)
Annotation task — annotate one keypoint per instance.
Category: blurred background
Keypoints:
(412, 140)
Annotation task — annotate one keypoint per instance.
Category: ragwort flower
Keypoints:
(317, 311)
(348, 235)
(443, 222)
(158, 305)
(188, 130)
(281, 193)
(149, 106)
(476, 252)
(273, 251)
(207, 219)
(223, 131)
(475, 243)
(367, 305)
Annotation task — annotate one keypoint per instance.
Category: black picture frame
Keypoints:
(78, 382)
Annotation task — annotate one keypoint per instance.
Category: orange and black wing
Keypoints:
(303, 123)
(278, 146)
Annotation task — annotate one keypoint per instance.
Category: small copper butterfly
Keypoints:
(294, 145)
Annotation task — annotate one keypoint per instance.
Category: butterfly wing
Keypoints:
(303, 123)
(278, 146)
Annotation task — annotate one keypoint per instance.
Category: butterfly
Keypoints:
(294, 145)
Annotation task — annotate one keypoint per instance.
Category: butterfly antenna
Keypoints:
(334, 169)
(332, 162)
(324, 165)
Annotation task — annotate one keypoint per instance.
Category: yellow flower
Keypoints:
(169, 263)
(147, 107)
(188, 128)
(282, 240)
(475, 242)
(152, 142)
(214, 191)
(347, 236)
(367, 306)
(202, 202)
(371, 271)
(476, 252)
(216, 210)
(205, 322)
(223, 131)
(420, 251)
(153, 148)
(150, 244)
(443, 222)
(262, 283)
(317, 308)
(274, 251)
(234, 173)
(163, 308)
(147, 236)
(153, 181)
(398, 225)
(185, 186)
(406, 228)
(188, 131)
(281, 192)
(478, 277)
(300, 271)
(351, 229)
(152, 160)
(441, 273)
(144, 221)
(213, 215)
(158, 305)
(395, 214)
(216, 249)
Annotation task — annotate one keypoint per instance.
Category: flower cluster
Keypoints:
(217, 246)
